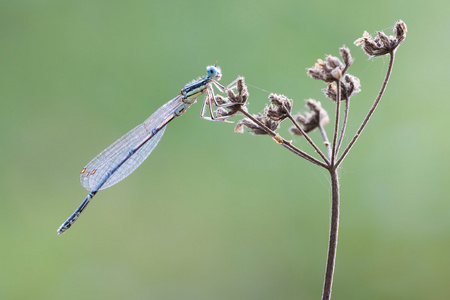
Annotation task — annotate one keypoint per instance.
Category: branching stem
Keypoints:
(371, 111)
(333, 161)
(334, 224)
(336, 121)
(310, 141)
(284, 142)
(326, 142)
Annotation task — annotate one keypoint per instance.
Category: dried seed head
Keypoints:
(350, 85)
(383, 44)
(280, 108)
(231, 105)
(329, 70)
(242, 90)
(310, 121)
(255, 128)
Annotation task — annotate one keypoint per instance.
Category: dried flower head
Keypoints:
(231, 105)
(350, 85)
(280, 108)
(255, 128)
(332, 69)
(383, 44)
(310, 121)
(329, 70)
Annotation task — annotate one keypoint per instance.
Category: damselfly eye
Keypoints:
(212, 71)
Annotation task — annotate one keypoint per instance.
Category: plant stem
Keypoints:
(325, 139)
(336, 122)
(371, 111)
(310, 141)
(344, 125)
(332, 243)
(334, 226)
(284, 142)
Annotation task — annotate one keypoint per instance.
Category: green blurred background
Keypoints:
(213, 214)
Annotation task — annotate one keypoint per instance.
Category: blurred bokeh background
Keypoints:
(213, 214)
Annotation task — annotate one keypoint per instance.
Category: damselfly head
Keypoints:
(214, 72)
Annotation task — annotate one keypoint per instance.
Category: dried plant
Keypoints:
(341, 87)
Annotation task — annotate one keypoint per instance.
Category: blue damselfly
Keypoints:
(126, 154)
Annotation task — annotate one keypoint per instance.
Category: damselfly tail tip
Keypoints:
(60, 230)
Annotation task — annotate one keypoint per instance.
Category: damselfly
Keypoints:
(127, 153)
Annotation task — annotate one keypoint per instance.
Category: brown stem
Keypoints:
(332, 243)
(310, 141)
(344, 125)
(336, 122)
(284, 142)
(371, 111)
(326, 142)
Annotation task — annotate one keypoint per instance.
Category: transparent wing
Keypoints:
(94, 172)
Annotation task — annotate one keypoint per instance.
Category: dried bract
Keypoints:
(220, 100)
(346, 57)
(400, 31)
(310, 120)
(221, 112)
(383, 44)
